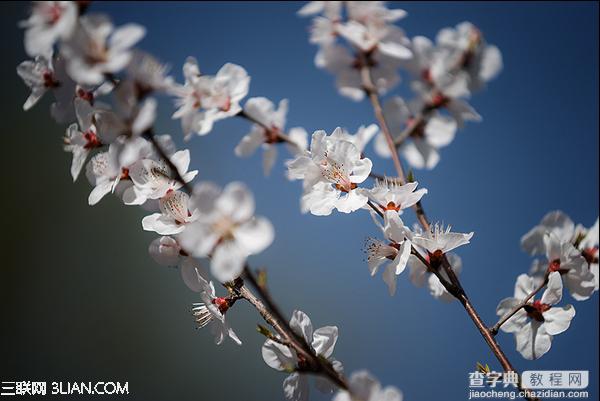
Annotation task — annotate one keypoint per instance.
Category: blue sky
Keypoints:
(536, 150)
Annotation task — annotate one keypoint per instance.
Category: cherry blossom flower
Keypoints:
(331, 172)
(459, 109)
(360, 139)
(204, 99)
(421, 150)
(330, 9)
(153, 179)
(535, 325)
(373, 12)
(226, 229)
(480, 61)
(81, 138)
(346, 67)
(368, 38)
(564, 258)
(212, 309)
(395, 253)
(438, 241)
(421, 276)
(364, 387)
(556, 222)
(39, 76)
(281, 357)
(588, 245)
(390, 195)
(267, 131)
(148, 73)
(323, 31)
(49, 21)
(441, 239)
(166, 251)
(176, 214)
(96, 48)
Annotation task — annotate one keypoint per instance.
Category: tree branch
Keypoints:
(494, 330)
(457, 290)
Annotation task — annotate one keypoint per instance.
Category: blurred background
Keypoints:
(81, 300)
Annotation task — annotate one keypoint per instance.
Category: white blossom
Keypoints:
(331, 172)
(364, 387)
(266, 132)
(421, 150)
(283, 358)
(395, 252)
(589, 250)
(166, 251)
(39, 76)
(153, 178)
(330, 9)
(212, 311)
(360, 139)
(176, 213)
(564, 258)
(49, 21)
(480, 61)
(555, 222)
(204, 99)
(388, 194)
(535, 325)
(148, 73)
(346, 67)
(441, 240)
(387, 39)
(82, 137)
(421, 276)
(226, 229)
(96, 48)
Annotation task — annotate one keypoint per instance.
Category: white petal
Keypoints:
(557, 320)
(227, 262)
(269, 157)
(301, 324)
(295, 387)
(278, 356)
(533, 341)
(553, 293)
(324, 340)
(145, 117)
(255, 235)
(236, 201)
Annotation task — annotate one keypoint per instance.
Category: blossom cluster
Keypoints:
(571, 261)
(105, 92)
(443, 74)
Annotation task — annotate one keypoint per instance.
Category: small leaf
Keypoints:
(483, 369)
(264, 331)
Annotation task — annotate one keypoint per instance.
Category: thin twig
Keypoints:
(280, 136)
(457, 290)
(494, 330)
(371, 92)
(149, 134)
(273, 316)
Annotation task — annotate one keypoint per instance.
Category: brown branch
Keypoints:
(273, 316)
(268, 310)
(371, 91)
(276, 132)
(149, 134)
(494, 330)
(457, 290)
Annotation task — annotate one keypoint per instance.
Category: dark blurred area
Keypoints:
(81, 300)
